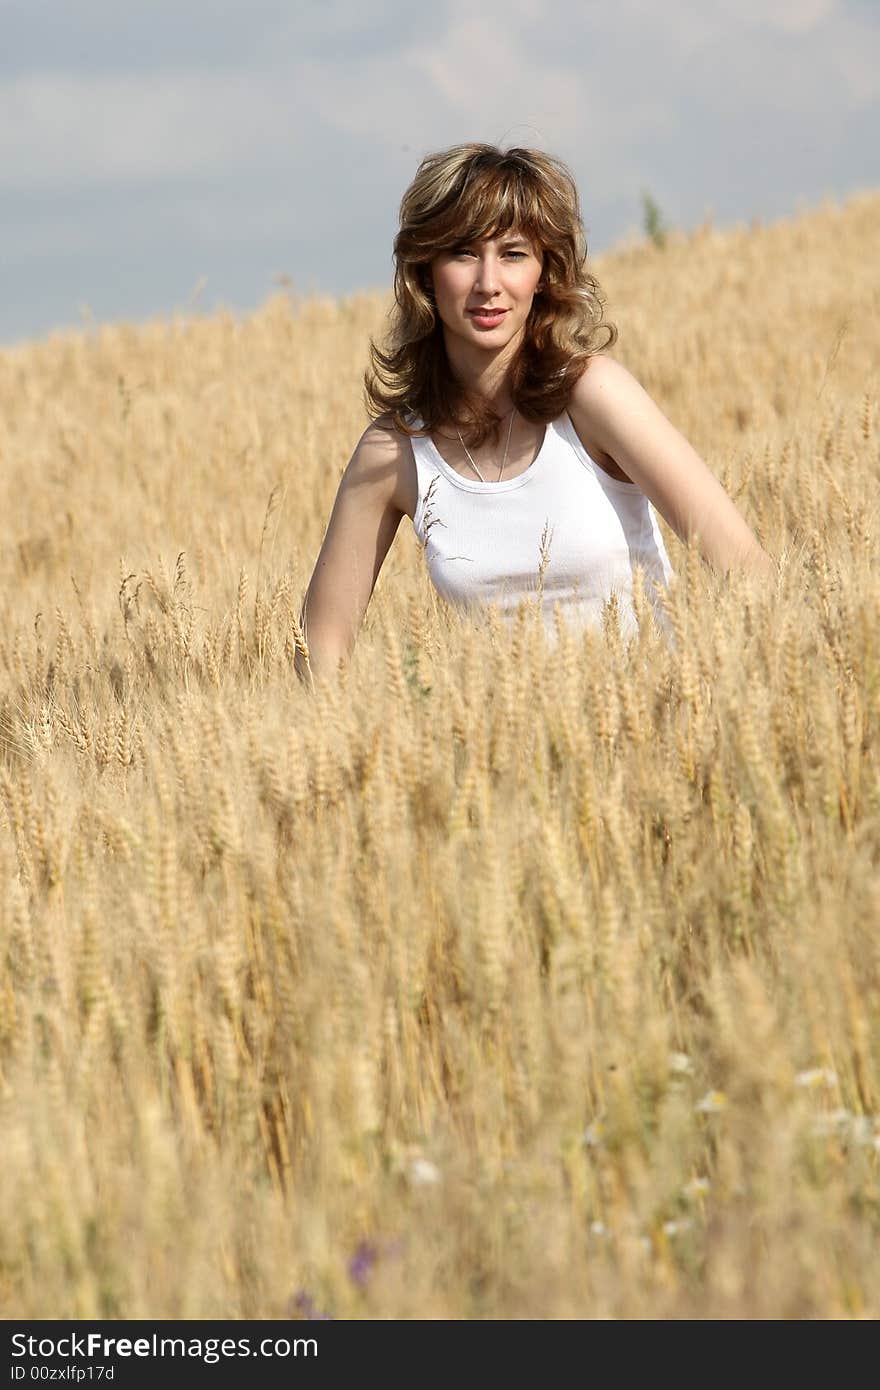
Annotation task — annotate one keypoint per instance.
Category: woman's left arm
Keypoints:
(616, 411)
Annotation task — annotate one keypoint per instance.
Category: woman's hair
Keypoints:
(461, 195)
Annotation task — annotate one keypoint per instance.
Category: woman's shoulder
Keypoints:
(603, 388)
(384, 451)
(602, 378)
(384, 431)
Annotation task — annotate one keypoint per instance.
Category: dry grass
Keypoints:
(542, 978)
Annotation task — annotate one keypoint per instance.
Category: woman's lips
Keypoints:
(487, 319)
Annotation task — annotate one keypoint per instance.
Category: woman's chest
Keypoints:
(524, 459)
(564, 527)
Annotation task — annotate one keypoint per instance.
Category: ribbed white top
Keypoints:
(484, 539)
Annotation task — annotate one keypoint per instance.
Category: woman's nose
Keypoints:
(487, 276)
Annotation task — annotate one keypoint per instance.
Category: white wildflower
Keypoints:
(423, 1173)
(853, 1129)
(861, 1129)
(677, 1228)
(816, 1076)
(681, 1063)
(713, 1103)
(697, 1187)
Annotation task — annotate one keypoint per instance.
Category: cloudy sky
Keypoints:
(158, 156)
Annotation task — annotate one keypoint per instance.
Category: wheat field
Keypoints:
(499, 977)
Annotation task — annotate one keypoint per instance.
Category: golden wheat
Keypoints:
(543, 963)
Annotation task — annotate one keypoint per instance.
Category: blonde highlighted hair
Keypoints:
(461, 195)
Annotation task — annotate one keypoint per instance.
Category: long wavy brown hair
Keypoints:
(464, 194)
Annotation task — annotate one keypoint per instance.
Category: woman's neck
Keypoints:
(483, 373)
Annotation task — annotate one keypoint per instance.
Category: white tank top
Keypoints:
(484, 539)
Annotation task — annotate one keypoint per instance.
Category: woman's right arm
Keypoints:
(363, 523)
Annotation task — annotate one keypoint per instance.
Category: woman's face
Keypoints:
(499, 274)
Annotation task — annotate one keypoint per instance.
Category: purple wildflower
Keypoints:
(304, 1305)
(361, 1263)
(368, 1254)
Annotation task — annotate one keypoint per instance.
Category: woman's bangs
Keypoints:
(500, 206)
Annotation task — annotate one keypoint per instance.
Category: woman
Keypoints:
(525, 457)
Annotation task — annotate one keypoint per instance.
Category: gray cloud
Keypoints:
(127, 130)
(102, 36)
(142, 148)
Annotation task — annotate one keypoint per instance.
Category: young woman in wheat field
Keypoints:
(501, 426)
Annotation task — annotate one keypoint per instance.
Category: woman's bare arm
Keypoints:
(618, 413)
(362, 526)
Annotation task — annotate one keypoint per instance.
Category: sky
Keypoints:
(167, 158)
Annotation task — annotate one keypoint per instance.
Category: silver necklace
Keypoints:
(506, 447)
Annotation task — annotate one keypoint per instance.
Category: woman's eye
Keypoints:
(465, 251)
